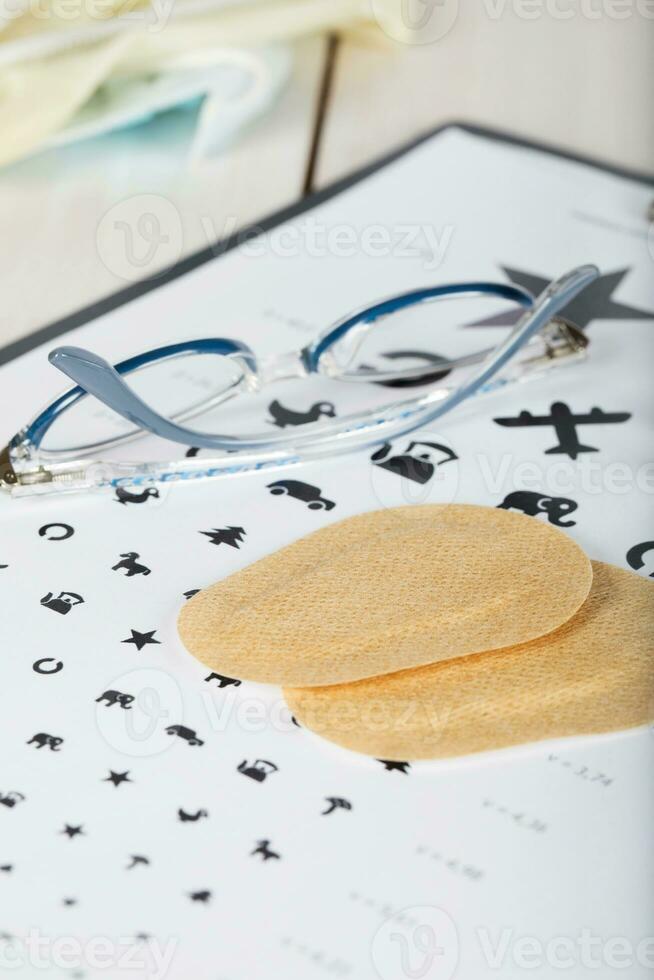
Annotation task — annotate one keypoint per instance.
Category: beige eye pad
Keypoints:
(594, 674)
(387, 590)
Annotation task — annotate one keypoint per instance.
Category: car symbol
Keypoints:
(302, 491)
(186, 733)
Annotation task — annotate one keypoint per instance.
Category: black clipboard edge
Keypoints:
(129, 293)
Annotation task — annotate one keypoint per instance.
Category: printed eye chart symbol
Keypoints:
(125, 497)
(282, 417)
(417, 462)
(56, 532)
(259, 770)
(534, 503)
(171, 802)
(62, 603)
(130, 565)
(232, 536)
(222, 680)
(565, 422)
(192, 817)
(336, 803)
(641, 556)
(310, 495)
(396, 356)
(264, 850)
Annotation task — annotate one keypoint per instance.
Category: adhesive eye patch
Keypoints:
(594, 674)
(385, 591)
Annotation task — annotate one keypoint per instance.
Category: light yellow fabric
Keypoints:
(594, 674)
(55, 55)
(387, 590)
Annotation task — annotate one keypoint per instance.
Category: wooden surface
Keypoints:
(579, 84)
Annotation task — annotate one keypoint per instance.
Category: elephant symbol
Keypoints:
(42, 738)
(131, 565)
(116, 697)
(533, 503)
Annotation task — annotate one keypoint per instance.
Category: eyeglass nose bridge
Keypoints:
(281, 367)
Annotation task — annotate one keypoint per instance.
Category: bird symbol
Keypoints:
(137, 859)
(6, 867)
(232, 536)
(125, 497)
(285, 416)
(263, 849)
(184, 816)
(336, 803)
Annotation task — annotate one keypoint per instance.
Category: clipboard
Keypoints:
(180, 814)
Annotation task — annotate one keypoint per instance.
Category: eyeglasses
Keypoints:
(66, 445)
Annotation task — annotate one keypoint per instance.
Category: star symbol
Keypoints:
(593, 303)
(117, 777)
(71, 831)
(391, 766)
(141, 640)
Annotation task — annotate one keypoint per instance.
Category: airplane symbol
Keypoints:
(564, 423)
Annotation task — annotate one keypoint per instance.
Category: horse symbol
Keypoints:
(131, 565)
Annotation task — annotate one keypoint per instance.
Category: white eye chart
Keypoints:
(158, 820)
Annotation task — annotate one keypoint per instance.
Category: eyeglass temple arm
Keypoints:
(99, 378)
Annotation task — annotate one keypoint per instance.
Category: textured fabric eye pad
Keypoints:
(594, 674)
(387, 590)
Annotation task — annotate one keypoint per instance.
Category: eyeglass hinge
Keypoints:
(562, 338)
(8, 476)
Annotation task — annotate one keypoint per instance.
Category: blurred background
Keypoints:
(133, 134)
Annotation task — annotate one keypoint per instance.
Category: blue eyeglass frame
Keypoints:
(95, 376)
(36, 431)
